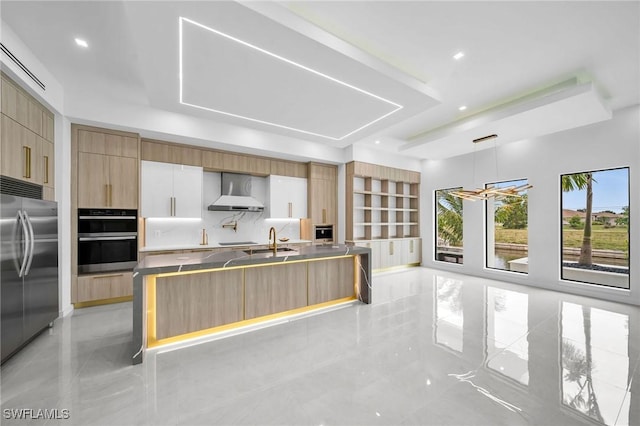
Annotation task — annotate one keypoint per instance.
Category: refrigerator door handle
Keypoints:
(32, 242)
(25, 231)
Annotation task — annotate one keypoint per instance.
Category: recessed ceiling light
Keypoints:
(377, 142)
(462, 108)
(82, 43)
(458, 56)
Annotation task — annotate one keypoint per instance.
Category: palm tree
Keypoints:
(449, 217)
(579, 181)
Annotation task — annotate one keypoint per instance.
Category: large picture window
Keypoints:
(595, 227)
(507, 234)
(449, 247)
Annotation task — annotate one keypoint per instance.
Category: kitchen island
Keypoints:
(178, 297)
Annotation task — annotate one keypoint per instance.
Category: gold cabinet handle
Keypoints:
(391, 248)
(110, 195)
(410, 246)
(27, 162)
(172, 207)
(290, 209)
(324, 215)
(106, 194)
(46, 169)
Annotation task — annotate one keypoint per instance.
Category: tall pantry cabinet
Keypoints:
(104, 175)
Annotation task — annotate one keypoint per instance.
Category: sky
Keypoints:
(610, 192)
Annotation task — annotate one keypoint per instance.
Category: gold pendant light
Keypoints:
(486, 193)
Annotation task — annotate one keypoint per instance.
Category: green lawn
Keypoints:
(602, 239)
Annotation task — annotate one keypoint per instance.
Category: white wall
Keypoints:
(609, 144)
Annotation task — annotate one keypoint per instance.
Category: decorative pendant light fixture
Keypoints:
(492, 192)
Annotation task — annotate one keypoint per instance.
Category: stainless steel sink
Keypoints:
(237, 243)
(279, 250)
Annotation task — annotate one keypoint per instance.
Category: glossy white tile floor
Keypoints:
(434, 348)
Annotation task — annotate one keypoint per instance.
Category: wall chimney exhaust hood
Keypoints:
(236, 195)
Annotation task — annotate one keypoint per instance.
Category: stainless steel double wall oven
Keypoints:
(107, 240)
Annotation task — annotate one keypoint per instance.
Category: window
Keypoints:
(448, 226)
(595, 227)
(507, 234)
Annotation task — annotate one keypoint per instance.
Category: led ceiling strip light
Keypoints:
(182, 19)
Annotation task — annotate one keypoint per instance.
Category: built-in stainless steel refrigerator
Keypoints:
(29, 276)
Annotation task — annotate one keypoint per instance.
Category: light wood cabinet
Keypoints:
(103, 286)
(123, 181)
(48, 125)
(47, 163)
(98, 142)
(179, 307)
(288, 168)
(107, 168)
(26, 138)
(170, 153)
(107, 181)
(13, 153)
(215, 160)
(273, 289)
(330, 280)
(240, 163)
(322, 194)
(34, 117)
(93, 180)
(212, 160)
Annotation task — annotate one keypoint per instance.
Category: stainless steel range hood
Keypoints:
(236, 195)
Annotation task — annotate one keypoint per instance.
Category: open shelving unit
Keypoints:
(383, 213)
(382, 202)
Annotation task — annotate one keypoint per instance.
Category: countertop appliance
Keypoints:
(323, 234)
(236, 195)
(107, 240)
(29, 269)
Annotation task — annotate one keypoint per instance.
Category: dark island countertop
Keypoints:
(164, 263)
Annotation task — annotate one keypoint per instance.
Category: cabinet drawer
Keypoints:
(104, 286)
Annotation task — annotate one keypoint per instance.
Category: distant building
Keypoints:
(606, 218)
(567, 214)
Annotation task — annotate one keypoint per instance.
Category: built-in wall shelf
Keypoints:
(384, 194)
(385, 208)
(382, 202)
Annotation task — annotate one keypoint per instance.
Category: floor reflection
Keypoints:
(576, 356)
(595, 363)
(441, 349)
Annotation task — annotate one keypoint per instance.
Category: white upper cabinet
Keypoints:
(171, 190)
(287, 197)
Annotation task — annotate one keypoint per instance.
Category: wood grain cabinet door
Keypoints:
(123, 181)
(93, 180)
